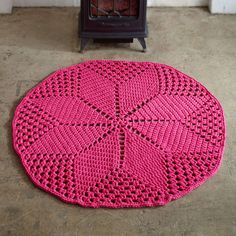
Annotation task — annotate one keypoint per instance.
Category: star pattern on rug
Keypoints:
(119, 134)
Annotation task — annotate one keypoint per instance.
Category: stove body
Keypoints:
(113, 20)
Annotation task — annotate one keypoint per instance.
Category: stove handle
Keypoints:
(115, 24)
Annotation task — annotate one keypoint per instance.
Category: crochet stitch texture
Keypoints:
(119, 134)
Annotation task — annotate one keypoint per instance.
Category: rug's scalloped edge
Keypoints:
(135, 205)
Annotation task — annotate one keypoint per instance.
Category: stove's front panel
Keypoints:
(113, 16)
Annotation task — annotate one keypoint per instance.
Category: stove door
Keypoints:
(113, 16)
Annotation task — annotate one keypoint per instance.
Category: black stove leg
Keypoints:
(83, 43)
(143, 44)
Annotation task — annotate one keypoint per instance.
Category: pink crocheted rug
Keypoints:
(119, 134)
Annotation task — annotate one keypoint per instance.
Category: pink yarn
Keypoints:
(119, 134)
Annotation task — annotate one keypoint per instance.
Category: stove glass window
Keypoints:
(114, 8)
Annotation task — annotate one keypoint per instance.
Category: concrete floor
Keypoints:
(36, 42)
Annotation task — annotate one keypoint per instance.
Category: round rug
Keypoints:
(119, 134)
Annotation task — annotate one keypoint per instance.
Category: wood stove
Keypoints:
(116, 20)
